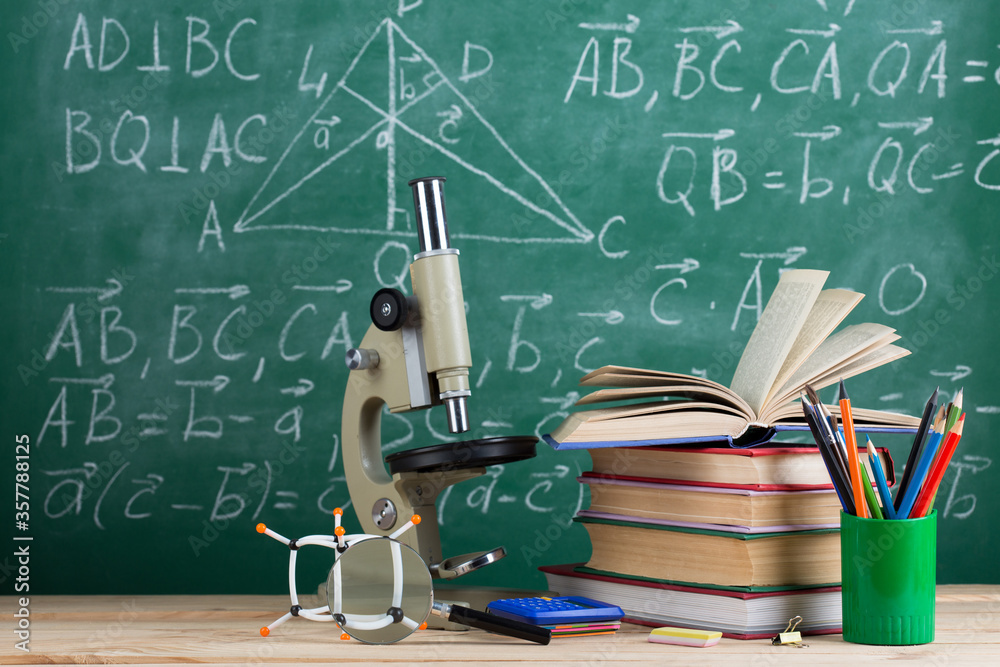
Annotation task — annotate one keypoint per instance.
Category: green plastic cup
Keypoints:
(888, 575)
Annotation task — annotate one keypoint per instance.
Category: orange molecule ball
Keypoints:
(423, 626)
(339, 531)
(264, 632)
(344, 637)
(415, 519)
(261, 528)
(338, 512)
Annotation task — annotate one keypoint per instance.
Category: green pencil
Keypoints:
(954, 410)
(870, 493)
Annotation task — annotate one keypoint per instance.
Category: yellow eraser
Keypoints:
(685, 637)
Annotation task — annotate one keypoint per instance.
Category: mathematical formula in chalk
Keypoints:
(891, 167)
(699, 168)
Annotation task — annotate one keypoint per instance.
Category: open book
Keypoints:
(790, 347)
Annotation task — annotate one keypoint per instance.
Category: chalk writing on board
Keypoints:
(960, 371)
(113, 288)
(892, 165)
(741, 118)
(909, 274)
(485, 494)
(414, 78)
(247, 489)
(961, 507)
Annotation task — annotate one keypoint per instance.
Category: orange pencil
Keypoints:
(929, 490)
(852, 452)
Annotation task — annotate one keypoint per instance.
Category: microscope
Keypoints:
(414, 356)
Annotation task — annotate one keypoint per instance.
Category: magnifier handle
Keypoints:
(499, 625)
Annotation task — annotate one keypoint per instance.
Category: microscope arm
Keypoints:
(381, 502)
(368, 389)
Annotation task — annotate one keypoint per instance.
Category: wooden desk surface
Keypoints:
(224, 630)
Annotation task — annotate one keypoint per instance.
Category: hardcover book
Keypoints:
(722, 558)
(748, 613)
(766, 468)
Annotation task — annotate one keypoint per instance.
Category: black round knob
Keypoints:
(388, 309)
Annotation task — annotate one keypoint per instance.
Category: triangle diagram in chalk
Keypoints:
(411, 121)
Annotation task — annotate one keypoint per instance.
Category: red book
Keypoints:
(759, 468)
(706, 506)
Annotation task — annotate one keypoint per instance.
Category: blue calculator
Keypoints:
(555, 611)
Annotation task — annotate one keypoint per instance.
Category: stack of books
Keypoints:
(690, 529)
(734, 540)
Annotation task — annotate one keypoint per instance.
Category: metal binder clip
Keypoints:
(790, 637)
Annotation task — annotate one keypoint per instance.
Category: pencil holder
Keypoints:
(888, 577)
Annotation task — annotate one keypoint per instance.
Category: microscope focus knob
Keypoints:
(360, 360)
(389, 309)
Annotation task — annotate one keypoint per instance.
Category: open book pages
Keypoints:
(632, 386)
(775, 335)
(842, 355)
(661, 421)
(668, 420)
(828, 311)
(792, 345)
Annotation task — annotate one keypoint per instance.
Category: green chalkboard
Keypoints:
(199, 200)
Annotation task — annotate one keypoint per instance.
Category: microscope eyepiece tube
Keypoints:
(432, 224)
(437, 287)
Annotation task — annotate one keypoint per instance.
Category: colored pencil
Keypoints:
(874, 510)
(923, 466)
(852, 452)
(918, 441)
(828, 424)
(954, 413)
(840, 448)
(944, 424)
(880, 482)
(828, 427)
(925, 500)
(833, 469)
(954, 410)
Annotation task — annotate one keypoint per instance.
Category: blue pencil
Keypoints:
(919, 473)
(925, 425)
(883, 486)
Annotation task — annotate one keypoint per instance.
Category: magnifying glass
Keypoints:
(380, 591)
